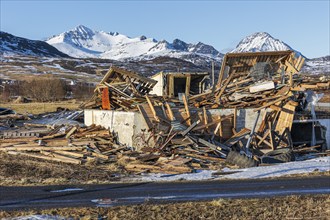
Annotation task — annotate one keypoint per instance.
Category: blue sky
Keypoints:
(304, 25)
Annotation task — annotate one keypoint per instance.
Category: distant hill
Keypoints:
(14, 45)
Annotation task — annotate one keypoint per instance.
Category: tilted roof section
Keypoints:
(243, 62)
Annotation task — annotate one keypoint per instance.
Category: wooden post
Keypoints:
(188, 80)
(171, 86)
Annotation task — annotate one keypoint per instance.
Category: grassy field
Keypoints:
(277, 208)
(24, 171)
(40, 107)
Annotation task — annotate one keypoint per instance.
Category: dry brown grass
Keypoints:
(23, 171)
(40, 107)
(289, 207)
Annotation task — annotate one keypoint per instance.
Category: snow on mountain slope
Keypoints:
(316, 66)
(83, 42)
(260, 41)
(13, 45)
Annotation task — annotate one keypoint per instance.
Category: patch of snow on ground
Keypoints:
(66, 190)
(297, 167)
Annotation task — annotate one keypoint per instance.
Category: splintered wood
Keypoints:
(121, 90)
(76, 145)
(69, 145)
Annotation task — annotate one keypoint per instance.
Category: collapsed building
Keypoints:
(260, 110)
(181, 109)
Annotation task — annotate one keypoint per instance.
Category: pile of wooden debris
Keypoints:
(75, 145)
(120, 89)
(183, 134)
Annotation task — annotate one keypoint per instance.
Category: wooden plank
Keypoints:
(212, 146)
(272, 103)
(262, 87)
(263, 139)
(117, 90)
(72, 130)
(271, 136)
(39, 148)
(63, 160)
(56, 142)
(221, 127)
(152, 108)
(206, 158)
(51, 136)
(205, 118)
(170, 112)
(185, 102)
(237, 137)
(133, 75)
(94, 147)
(69, 153)
(17, 140)
(218, 96)
(99, 155)
(60, 156)
(285, 118)
(216, 129)
(213, 122)
(143, 108)
(179, 161)
(185, 132)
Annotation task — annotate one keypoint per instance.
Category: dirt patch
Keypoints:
(20, 170)
(289, 207)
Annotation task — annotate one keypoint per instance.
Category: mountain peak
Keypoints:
(82, 28)
(82, 32)
(261, 34)
(260, 41)
(180, 45)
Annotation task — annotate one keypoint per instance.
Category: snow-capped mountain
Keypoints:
(149, 53)
(82, 42)
(259, 42)
(13, 45)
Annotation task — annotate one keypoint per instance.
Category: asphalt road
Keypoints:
(15, 198)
